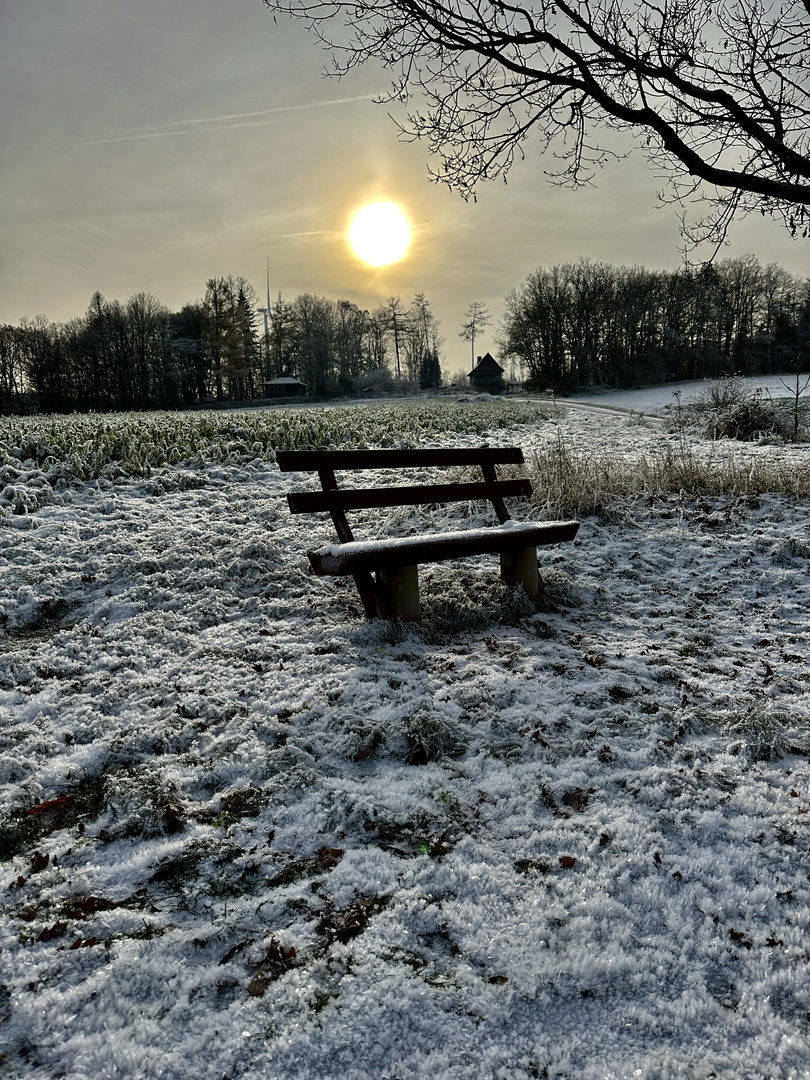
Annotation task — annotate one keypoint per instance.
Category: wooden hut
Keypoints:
(487, 375)
(285, 387)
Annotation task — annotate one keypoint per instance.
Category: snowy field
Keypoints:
(251, 835)
(663, 400)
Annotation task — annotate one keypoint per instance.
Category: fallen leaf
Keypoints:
(740, 938)
(48, 933)
(577, 800)
(257, 985)
(52, 807)
(235, 950)
(523, 866)
(328, 857)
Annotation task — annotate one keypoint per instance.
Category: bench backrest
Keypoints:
(337, 500)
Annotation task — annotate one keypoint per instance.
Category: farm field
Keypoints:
(246, 833)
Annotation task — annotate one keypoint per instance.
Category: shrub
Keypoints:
(728, 408)
(747, 420)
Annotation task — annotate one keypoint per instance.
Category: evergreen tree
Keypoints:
(430, 371)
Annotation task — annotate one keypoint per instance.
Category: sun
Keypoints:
(379, 234)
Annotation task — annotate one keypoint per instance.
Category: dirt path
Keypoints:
(593, 406)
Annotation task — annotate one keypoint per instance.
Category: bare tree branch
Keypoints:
(717, 95)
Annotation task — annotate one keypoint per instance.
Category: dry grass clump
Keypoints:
(727, 408)
(583, 482)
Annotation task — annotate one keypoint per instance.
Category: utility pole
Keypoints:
(266, 312)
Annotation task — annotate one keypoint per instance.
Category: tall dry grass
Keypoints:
(569, 481)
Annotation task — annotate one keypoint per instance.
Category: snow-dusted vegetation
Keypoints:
(246, 833)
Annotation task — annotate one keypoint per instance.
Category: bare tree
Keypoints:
(715, 94)
(398, 324)
(377, 336)
(476, 319)
(424, 337)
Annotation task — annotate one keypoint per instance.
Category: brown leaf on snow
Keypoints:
(523, 866)
(349, 922)
(257, 985)
(52, 810)
(39, 862)
(276, 961)
(79, 907)
(235, 950)
(567, 861)
(577, 799)
(740, 938)
(48, 933)
(88, 943)
(327, 857)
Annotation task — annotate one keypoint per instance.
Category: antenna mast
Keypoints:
(266, 312)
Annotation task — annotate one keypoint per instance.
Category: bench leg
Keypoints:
(520, 568)
(399, 592)
(368, 594)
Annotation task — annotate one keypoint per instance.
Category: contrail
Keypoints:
(311, 232)
(240, 116)
(220, 123)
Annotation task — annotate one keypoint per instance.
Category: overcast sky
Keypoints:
(150, 145)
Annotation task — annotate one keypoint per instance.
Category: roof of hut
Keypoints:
(487, 365)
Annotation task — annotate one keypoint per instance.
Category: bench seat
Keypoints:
(392, 553)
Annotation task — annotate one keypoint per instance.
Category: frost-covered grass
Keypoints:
(571, 479)
(44, 455)
(246, 833)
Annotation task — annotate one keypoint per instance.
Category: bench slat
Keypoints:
(315, 460)
(310, 502)
(337, 560)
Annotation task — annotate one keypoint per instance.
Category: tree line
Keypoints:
(588, 324)
(566, 328)
(139, 355)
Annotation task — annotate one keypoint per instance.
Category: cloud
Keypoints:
(193, 126)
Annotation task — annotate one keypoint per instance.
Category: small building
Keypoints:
(285, 387)
(487, 375)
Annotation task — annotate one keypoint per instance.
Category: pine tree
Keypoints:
(430, 371)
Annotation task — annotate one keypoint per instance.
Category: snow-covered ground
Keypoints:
(260, 837)
(663, 400)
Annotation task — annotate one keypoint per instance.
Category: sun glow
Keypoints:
(379, 234)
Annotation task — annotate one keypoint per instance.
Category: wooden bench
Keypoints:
(385, 571)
